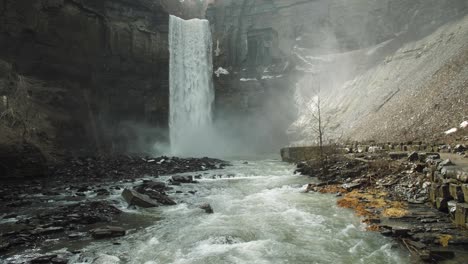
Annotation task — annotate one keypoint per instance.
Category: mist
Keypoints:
(325, 54)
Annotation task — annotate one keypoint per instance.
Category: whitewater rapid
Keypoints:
(261, 215)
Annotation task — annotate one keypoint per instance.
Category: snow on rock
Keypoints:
(248, 79)
(220, 71)
(267, 77)
(464, 124)
(450, 131)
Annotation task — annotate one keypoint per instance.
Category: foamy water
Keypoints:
(261, 215)
(191, 87)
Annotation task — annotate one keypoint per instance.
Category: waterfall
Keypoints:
(191, 86)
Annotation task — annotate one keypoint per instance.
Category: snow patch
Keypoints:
(464, 124)
(220, 71)
(450, 131)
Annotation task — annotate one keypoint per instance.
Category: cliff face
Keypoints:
(87, 66)
(93, 75)
(324, 26)
(293, 48)
(416, 93)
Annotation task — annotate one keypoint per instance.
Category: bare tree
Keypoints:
(19, 111)
(320, 123)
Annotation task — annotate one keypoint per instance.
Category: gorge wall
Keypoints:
(290, 49)
(85, 75)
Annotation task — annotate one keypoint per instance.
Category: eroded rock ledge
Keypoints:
(415, 196)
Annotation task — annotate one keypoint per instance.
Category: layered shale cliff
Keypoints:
(360, 54)
(84, 75)
(93, 75)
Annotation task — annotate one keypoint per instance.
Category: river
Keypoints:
(261, 215)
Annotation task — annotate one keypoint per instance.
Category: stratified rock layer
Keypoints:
(89, 66)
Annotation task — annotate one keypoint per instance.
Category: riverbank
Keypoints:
(78, 201)
(260, 215)
(391, 192)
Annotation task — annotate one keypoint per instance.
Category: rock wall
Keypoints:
(416, 93)
(93, 75)
(325, 26)
(297, 47)
(96, 69)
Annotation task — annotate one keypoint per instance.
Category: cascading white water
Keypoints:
(191, 85)
(261, 215)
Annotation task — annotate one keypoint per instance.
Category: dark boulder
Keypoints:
(151, 185)
(135, 198)
(182, 179)
(207, 207)
(155, 191)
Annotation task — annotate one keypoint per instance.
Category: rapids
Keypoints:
(261, 215)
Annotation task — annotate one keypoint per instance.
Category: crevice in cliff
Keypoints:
(82, 7)
(240, 24)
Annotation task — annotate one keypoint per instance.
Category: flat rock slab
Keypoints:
(135, 198)
(107, 232)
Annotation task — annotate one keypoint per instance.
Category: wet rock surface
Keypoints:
(73, 201)
(37, 227)
(407, 197)
(108, 231)
(207, 208)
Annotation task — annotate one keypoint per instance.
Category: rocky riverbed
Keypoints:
(77, 201)
(391, 193)
(250, 212)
